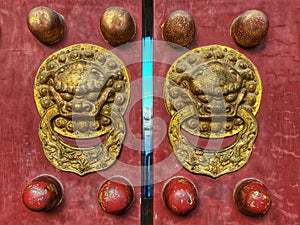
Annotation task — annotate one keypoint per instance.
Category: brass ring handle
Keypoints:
(213, 92)
(76, 159)
(82, 92)
(213, 163)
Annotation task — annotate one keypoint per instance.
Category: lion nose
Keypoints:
(216, 107)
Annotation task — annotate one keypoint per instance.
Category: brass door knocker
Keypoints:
(82, 92)
(213, 92)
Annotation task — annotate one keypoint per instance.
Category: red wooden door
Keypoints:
(274, 160)
(21, 150)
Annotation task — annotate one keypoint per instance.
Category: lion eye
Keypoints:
(66, 96)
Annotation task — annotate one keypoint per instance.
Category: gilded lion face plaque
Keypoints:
(213, 92)
(82, 92)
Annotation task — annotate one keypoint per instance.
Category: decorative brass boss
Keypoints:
(213, 92)
(82, 92)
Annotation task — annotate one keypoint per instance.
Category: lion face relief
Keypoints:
(81, 92)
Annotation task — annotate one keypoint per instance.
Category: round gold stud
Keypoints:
(179, 28)
(249, 29)
(117, 26)
(46, 25)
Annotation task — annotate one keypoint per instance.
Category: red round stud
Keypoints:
(116, 195)
(180, 195)
(43, 193)
(252, 197)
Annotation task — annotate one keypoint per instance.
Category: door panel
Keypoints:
(274, 159)
(21, 150)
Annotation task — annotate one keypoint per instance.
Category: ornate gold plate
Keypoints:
(82, 92)
(213, 92)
